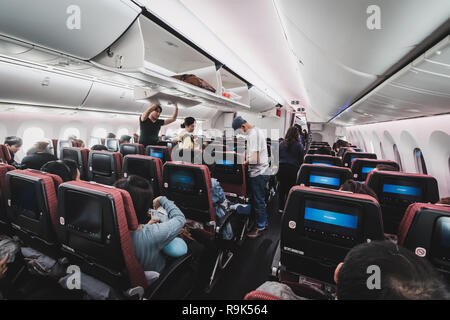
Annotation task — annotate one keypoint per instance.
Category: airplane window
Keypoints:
(420, 161)
(122, 131)
(71, 132)
(398, 159)
(99, 133)
(383, 156)
(30, 136)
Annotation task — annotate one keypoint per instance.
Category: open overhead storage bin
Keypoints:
(233, 88)
(152, 54)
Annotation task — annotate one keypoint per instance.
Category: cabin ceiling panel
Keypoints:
(420, 89)
(340, 56)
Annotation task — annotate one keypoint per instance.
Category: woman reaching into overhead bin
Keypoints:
(150, 124)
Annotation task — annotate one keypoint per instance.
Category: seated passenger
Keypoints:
(382, 270)
(13, 144)
(152, 236)
(67, 170)
(356, 187)
(99, 147)
(135, 137)
(111, 136)
(124, 139)
(40, 156)
(221, 205)
(186, 138)
(340, 144)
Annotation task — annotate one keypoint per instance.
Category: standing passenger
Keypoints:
(257, 161)
(291, 158)
(150, 124)
(186, 137)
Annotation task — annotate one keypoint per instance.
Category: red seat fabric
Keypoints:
(126, 222)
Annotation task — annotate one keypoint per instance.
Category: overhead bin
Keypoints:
(232, 87)
(259, 101)
(31, 84)
(150, 53)
(80, 28)
(111, 97)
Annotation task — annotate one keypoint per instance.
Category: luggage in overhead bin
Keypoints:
(195, 81)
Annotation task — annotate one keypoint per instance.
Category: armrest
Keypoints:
(275, 267)
(169, 272)
(223, 222)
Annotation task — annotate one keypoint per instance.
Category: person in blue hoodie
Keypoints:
(152, 236)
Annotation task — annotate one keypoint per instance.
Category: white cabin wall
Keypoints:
(430, 134)
(327, 134)
(53, 125)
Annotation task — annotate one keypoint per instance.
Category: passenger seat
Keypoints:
(397, 190)
(105, 167)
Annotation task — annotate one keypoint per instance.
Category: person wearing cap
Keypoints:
(257, 161)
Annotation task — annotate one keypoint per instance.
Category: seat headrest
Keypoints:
(324, 176)
(425, 230)
(131, 148)
(23, 191)
(91, 214)
(361, 167)
(189, 185)
(319, 227)
(400, 185)
(323, 159)
(348, 157)
(160, 152)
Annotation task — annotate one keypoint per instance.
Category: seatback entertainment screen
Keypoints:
(324, 180)
(322, 163)
(182, 181)
(331, 222)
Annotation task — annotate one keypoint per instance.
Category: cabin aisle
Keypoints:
(250, 266)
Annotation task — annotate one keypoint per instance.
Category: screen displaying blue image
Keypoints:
(330, 217)
(331, 181)
(403, 190)
(182, 180)
(225, 162)
(366, 169)
(323, 163)
(156, 154)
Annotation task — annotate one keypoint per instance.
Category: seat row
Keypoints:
(319, 227)
(106, 167)
(90, 223)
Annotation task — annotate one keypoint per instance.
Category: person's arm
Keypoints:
(174, 116)
(146, 114)
(163, 233)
